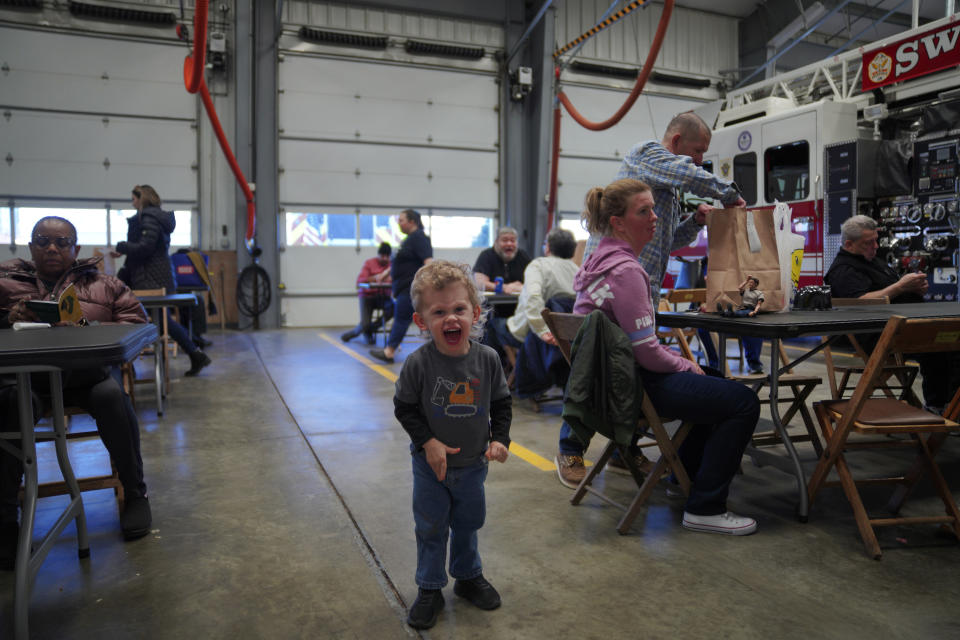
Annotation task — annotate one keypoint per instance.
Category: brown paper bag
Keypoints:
(742, 242)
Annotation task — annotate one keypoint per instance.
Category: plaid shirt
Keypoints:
(666, 173)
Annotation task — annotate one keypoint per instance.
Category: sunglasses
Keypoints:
(62, 243)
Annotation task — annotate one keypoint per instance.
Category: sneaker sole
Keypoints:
(737, 531)
(566, 483)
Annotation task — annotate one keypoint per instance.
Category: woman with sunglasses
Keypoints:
(148, 264)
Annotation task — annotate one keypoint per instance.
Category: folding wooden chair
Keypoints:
(564, 327)
(865, 415)
(89, 483)
(905, 374)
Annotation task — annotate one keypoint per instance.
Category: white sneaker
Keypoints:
(728, 523)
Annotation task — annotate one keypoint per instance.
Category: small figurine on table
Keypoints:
(751, 299)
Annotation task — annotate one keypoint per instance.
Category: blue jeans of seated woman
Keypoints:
(402, 317)
(456, 508)
(724, 414)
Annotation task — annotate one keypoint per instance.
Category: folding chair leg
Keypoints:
(828, 459)
(950, 506)
(597, 468)
(912, 476)
(859, 512)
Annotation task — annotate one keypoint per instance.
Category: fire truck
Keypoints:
(875, 131)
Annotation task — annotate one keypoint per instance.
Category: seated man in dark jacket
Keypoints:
(857, 272)
(103, 299)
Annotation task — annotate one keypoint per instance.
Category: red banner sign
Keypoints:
(919, 55)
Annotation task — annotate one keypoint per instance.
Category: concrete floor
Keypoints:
(280, 487)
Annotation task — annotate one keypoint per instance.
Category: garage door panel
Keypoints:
(318, 172)
(102, 75)
(62, 155)
(647, 120)
(576, 176)
(386, 103)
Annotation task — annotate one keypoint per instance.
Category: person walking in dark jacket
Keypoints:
(148, 264)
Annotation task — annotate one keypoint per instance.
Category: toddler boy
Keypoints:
(453, 401)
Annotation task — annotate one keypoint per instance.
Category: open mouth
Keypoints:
(452, 336)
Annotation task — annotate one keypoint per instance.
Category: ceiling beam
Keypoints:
(874, 13)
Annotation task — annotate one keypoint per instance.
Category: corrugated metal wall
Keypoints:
(697, 43)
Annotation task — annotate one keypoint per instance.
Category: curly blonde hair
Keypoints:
(440, 274)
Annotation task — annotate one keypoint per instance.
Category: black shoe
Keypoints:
(136, 519)
(729, 312)
(198, 360)
(9, 538)
(426, 608)
(347, 336)
(755, 368)
(201, 342)
(379, 354)
(479, 592)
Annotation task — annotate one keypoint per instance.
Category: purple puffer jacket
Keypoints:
(103, 298)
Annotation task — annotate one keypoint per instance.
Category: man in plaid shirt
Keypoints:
(667, 166)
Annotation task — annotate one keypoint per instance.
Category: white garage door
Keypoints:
(363, 139)
(86, 118)
(592, 158)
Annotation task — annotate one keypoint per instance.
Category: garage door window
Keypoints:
(340, 229)
(91, 225)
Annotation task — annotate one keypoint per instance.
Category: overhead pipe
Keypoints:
(526, 34)
(787, 48)
(194, 80)
(576, 50)
(597, 28)
(865, 29)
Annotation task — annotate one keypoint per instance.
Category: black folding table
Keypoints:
(794, 324)
(51, 351)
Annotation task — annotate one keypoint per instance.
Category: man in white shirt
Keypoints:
(544, 278)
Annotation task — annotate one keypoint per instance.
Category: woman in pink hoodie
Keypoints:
(725, 412)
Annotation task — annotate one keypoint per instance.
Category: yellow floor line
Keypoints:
(517, 449)
(379, 368)
(530, 457)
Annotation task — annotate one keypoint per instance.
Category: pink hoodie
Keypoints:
(613, 281)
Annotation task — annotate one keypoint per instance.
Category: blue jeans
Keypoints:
(752, 347)
(402, 317)
(724, 413)
(456, 508)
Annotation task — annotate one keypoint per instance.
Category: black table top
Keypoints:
(793, 324)
(74, 347)
(169, 300)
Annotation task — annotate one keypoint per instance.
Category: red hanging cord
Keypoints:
(637, 87)
(195, 81)
(606, 124)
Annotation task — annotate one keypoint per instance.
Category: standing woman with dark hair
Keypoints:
(148, 264)
(415, 251)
